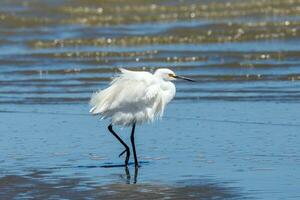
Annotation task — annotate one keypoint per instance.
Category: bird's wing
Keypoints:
(129, 92)
(125, 74)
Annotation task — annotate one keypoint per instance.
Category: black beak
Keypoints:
(184, 78)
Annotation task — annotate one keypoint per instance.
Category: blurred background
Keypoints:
(237, 126)
(61, 51)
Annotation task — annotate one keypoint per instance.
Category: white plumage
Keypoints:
(135, 97)
(132, 98)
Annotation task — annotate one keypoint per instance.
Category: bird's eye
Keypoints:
(171, 75)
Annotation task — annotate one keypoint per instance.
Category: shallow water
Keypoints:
(232, 134)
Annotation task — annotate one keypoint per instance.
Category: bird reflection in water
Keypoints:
(128, 176)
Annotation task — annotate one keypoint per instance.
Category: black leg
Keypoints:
(136, 173)
(127, 175)
(122, 142)
(133, 146)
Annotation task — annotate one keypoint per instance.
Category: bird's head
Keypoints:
(169, 75)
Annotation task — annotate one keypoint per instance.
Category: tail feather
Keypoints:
(96, 102)
(101, 101)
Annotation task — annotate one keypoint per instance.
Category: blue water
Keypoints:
(226, 143)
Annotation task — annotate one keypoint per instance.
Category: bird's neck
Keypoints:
(169, 90)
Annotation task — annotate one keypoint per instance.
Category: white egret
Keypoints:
(134, 97)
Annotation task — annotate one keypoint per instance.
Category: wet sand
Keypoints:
(34, 185)
(231, 135)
